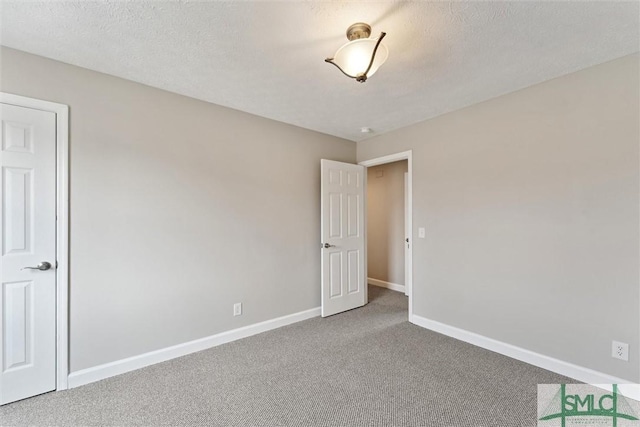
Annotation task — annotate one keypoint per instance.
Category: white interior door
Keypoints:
(344, 283)
(28, 262)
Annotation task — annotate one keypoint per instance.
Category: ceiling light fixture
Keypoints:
(361, 57)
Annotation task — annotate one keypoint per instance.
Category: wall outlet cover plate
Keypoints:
(620, 350)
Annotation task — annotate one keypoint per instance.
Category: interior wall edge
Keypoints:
(111, 369)
(576, 372)
(384, 284)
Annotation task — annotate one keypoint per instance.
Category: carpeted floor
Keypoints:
(365, 367)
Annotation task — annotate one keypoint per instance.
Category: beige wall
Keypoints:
(385, 222)
(531, 204)
(179, 208)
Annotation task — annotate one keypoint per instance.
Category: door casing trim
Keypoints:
(62, 226)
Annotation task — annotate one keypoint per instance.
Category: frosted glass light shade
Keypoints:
(354, 57)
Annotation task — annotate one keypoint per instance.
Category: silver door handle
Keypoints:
(327, 246)
(43, 266)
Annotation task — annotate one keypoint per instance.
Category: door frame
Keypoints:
(407, 233)
(404, 155)
(62, 226)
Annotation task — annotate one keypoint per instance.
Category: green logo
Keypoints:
(590, 407)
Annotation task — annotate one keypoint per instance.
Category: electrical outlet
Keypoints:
(620, 350)
(421, 232)
(237, 309)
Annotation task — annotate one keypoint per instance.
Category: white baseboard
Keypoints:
(383, 284)
(579, 373)
(86, 376)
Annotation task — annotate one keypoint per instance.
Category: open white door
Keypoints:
(28, 261)
(344, 284)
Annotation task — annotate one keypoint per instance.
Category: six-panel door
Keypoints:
(343, 264)
(28, 299)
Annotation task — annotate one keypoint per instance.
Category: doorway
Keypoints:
(389, 237)
(386, 233)
(34, 306)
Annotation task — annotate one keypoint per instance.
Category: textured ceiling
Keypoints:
(266, 58)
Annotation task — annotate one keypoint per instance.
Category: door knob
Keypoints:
(327, 246)
(43, 266)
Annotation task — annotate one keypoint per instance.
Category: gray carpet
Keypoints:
(365, 367)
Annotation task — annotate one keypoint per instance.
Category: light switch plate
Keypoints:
(421, 232)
